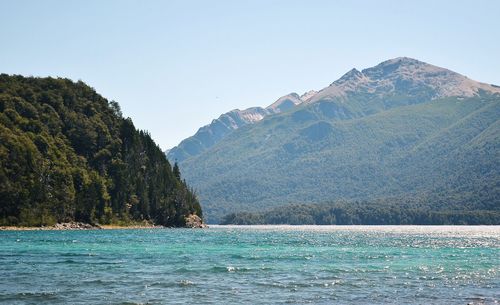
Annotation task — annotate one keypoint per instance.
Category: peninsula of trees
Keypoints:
(68, 154)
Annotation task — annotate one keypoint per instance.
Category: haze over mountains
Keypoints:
(401, 128)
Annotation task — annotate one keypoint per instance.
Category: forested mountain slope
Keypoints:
(401, 128)
(67, 154)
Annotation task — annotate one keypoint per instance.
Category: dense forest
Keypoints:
(67, 154)
(387, 211)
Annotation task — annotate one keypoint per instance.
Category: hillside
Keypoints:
(67, 154)
(401, 128)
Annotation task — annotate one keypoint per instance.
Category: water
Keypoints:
(252, 265)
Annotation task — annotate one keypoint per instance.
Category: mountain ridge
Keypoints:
(210, 134)
(410, 71)
(359, 138)
(339, 90)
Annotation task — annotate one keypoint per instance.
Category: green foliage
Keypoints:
(177, 172)
(360, 149)
(389, 211)
(67, 154)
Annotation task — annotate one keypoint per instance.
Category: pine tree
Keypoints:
(177, 172)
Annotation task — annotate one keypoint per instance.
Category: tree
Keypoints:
(177, 172)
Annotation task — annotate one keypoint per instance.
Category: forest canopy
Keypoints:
(386, 211)
(67, 154)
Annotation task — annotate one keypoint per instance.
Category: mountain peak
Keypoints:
(352, 75)
(403, 76)
(308, 95)
(285, 103)
(402, 65)
(402, 61)
(406, 77)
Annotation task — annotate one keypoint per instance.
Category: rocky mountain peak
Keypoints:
(285, 103)
(307, 95)
(404, 66)
(417, 81)
(350, 76)
(403, 76)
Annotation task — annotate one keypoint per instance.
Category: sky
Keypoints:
(174, 66)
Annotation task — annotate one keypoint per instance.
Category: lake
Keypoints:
(253, 265)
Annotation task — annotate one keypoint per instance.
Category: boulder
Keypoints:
(194, 221)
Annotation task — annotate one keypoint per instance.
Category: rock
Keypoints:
(194, 221)
(73, 226)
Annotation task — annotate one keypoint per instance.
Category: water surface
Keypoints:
(253, 265)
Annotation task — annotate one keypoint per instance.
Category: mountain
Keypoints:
(403, 128)
(209, 135)
(406, 77)
(67, 154)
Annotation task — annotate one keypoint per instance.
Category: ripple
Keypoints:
(248, 265)
(30, 296)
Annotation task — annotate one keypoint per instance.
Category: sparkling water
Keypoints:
(253, 265)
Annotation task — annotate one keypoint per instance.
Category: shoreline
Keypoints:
(80, 226)
(381, 228)
(101, 227)
(192, 221)
(77, 226)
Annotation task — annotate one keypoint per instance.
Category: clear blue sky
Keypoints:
(175, 65)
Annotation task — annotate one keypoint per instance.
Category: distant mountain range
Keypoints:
(401, 128)
(212, 133)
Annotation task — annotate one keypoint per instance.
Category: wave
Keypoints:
(30, 296)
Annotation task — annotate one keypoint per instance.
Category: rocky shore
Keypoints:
(57, 226)
(194, 221)
(74, 226)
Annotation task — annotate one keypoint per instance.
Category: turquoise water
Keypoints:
(252, 265)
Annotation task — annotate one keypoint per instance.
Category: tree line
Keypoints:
(388, 211)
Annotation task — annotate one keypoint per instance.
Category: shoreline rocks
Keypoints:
(73, 226)
(57, 226)
(192, 221)
(195, 222)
